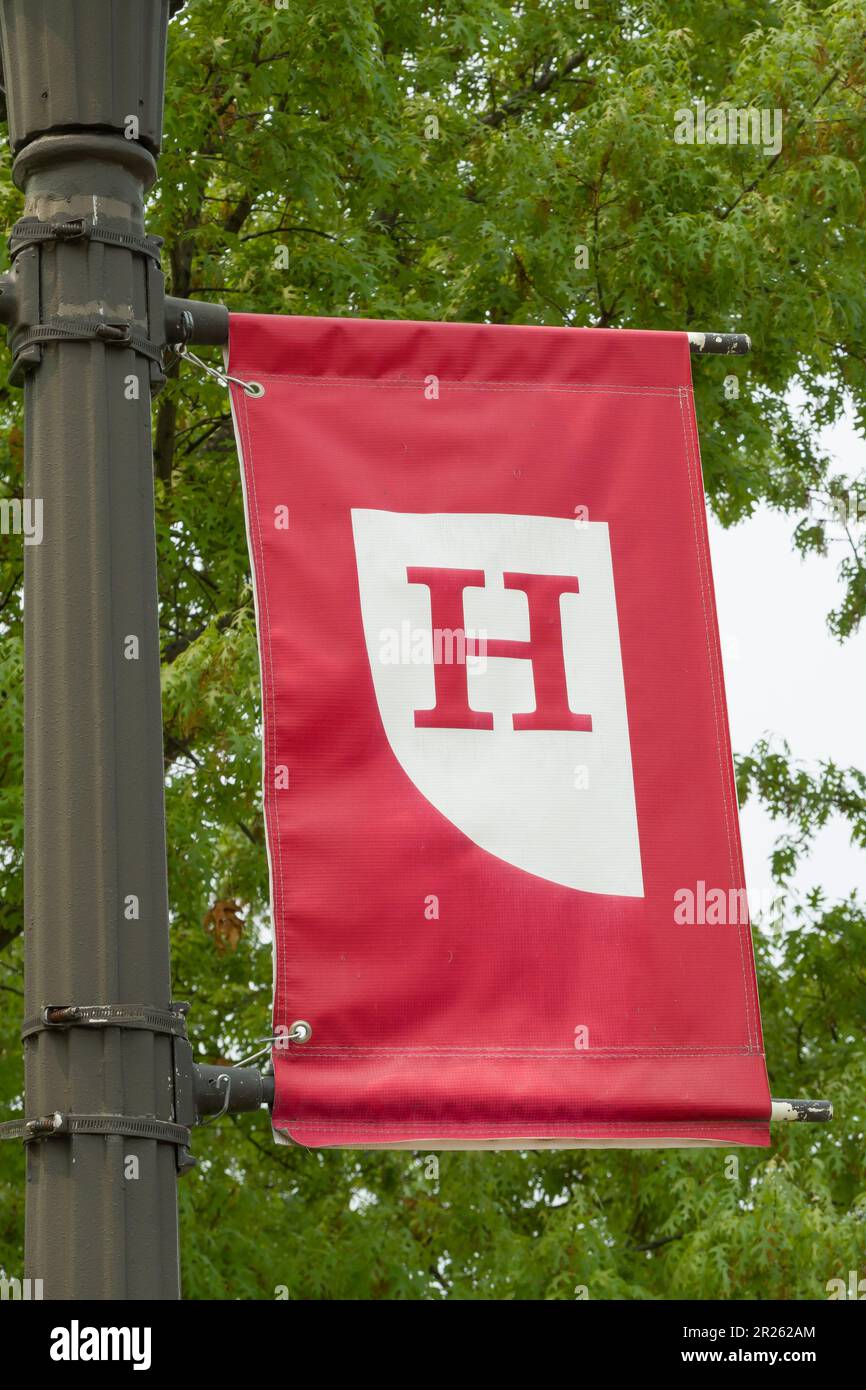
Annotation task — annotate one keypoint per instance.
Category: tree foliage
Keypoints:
(436, 159)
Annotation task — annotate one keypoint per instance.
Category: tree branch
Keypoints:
(547, 78)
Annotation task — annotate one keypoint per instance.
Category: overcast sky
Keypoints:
(784, 671)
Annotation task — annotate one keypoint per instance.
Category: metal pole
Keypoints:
(84, 85)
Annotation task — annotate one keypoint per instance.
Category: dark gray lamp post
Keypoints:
(108, 1103)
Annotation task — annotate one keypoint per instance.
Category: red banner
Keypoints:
(506, 874)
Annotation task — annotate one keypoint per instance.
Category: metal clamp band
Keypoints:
(142, 1016)
(59, 330)
(58, 1125)
(30, 231)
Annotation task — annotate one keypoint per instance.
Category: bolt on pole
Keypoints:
(84, 86)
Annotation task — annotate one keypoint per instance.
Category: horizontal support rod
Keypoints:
(246, 1089)
(210, 322)
(813, 1112)
(722, 344)
(210, 325)
(249, 1089)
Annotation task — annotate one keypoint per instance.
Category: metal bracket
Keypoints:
(198, 1090)
(137, 1016)
(21, 297)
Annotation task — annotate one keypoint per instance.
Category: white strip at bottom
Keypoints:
(503, 1145)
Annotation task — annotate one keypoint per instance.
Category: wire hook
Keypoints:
(223, 1076)
(251, 388)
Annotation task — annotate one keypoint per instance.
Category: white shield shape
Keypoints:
(557, 803)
